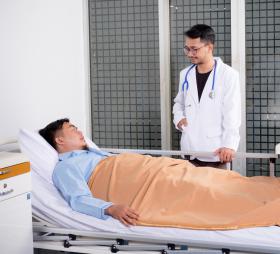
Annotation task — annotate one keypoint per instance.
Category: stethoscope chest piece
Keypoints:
(212, 95)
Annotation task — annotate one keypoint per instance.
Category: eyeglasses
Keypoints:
(187, 50)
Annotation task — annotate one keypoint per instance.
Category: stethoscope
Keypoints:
(212, 93)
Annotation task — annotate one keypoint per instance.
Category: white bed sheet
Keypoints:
(49, 205)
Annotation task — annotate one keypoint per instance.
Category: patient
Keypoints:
(75, 166)
(157, 191)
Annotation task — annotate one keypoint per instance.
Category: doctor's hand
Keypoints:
(183, 122)
(225, 154)
(123, 213)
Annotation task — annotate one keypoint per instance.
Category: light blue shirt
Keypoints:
(70, 177)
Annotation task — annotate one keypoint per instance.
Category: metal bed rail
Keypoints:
(10, 144)
(270, 156)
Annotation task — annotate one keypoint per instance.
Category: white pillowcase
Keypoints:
(43, 157)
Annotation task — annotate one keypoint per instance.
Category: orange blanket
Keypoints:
(173, 193)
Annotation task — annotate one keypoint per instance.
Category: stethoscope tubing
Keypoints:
(187, 82)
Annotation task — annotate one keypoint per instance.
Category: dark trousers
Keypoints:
(214, 164)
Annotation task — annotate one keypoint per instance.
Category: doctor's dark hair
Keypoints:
(48, 133)
(204, 32)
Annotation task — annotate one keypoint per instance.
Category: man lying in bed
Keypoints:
(72, 172)
(157, 191)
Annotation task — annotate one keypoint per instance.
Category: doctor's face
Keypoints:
(69, 138)
(198, 51)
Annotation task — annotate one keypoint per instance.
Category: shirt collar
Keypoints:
(64, 156)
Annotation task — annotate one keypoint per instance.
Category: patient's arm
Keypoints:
(72, 185)
(123, 213)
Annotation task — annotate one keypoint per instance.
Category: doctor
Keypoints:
(207, 108)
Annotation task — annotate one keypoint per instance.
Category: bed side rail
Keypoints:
(11, 144)
(270, 156)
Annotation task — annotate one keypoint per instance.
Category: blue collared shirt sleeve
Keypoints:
(69, 180)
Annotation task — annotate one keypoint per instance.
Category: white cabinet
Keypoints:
(15, 205)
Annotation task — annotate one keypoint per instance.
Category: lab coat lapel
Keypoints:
(193, 85)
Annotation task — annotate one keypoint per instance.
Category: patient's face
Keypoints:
(70, 138)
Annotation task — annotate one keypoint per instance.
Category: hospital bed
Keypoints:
(57, 227)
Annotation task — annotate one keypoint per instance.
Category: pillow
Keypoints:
(43, 157)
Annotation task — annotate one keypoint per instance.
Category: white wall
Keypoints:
(43, 64)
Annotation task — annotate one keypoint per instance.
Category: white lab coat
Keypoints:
(212, 123)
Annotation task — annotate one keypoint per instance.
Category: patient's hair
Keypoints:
(204, 32)
(48, 133)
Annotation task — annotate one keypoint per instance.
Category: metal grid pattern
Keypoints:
(125, 87)
(263, 77)
(183, 15)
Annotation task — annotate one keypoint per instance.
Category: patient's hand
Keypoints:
(183, 122)
(123, 213)
(225, 154)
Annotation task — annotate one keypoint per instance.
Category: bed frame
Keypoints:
(51, 237)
